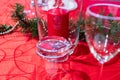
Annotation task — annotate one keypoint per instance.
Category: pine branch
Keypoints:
(80, 23)
(19, 15)
(4, 28)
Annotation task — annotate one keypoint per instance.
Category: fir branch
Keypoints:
(4, 28)
(19, 15)
(27, 25)
(79, 23)
(33, 27)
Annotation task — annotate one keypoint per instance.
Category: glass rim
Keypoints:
(102, 16)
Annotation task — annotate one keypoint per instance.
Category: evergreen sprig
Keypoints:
(79, 23)
(27, 25)
(33, 27)
(4, 28)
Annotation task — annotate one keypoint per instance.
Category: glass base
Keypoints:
(54, 48)
(60, 59)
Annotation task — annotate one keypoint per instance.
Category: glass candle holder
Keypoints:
(58, 32)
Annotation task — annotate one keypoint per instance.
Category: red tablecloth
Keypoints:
(19, 61)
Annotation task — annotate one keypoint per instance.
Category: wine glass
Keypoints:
(57, 38)
(102, 30)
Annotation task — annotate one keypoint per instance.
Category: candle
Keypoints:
(58, 22)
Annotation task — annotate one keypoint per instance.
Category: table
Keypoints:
(19, 61)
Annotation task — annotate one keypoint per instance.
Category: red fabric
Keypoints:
(19, 61)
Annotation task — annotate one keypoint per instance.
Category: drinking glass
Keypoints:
(102, 30)
(57, 38)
